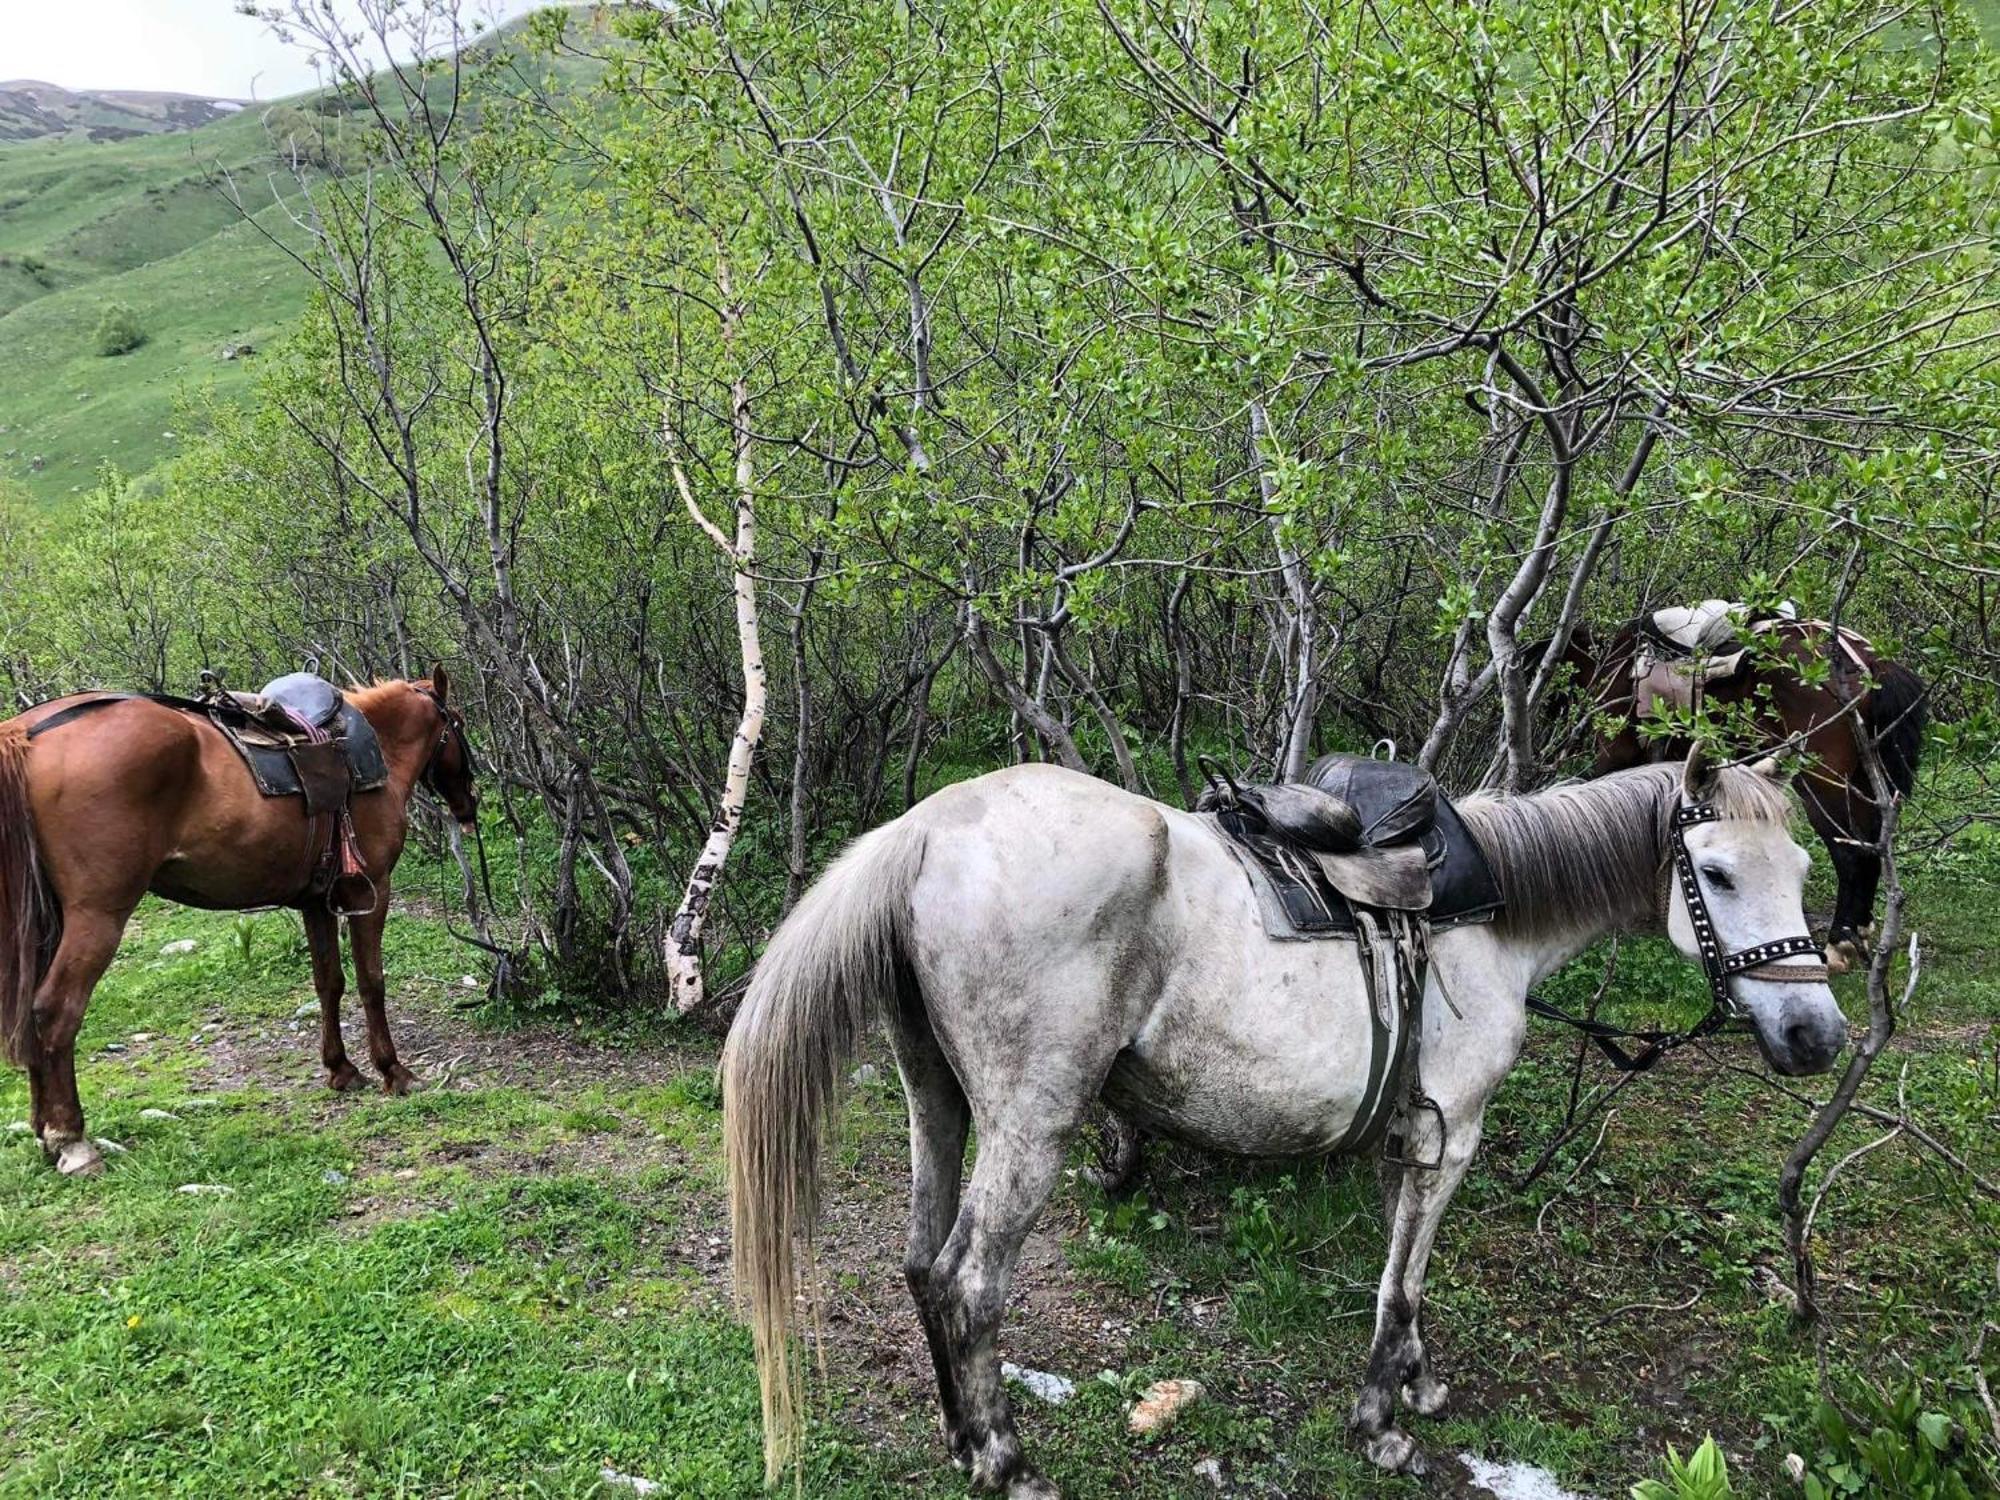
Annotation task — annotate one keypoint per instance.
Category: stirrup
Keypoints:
(1392, 1145)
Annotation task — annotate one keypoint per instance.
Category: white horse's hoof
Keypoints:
(1396, 1451)
(79, 1159)
(1032, 1487)
(1427, 1396)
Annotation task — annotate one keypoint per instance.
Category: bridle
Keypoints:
(1759, 960)
(451, 726)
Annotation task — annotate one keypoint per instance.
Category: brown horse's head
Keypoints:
(450, 771)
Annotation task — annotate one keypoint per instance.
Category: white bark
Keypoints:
(1294, 747)
(683, 954)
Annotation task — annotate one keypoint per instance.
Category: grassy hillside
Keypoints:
(85, 224)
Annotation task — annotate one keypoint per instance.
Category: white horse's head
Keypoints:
(1751, 875)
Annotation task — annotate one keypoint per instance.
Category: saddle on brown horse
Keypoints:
(298, 737)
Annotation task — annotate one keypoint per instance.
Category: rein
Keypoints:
(451, 725)
(1758, 961)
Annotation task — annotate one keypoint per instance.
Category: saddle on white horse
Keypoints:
(1369, 852)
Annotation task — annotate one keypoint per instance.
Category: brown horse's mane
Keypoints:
(379, 692)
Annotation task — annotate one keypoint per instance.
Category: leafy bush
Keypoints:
(1908, 1450)
(118, 330)
(1702, 1475)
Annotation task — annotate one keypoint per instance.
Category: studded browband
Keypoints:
(1759, 961)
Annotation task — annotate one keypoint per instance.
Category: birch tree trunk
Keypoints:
(683, 955)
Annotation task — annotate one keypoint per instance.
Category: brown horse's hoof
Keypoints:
(345, 1079)
(79, 1159)
(398, 1080)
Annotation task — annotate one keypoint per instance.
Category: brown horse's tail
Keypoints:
(28, 916)
(834, 966)
(1897, 712)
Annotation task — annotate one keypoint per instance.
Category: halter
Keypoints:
(1757, 961)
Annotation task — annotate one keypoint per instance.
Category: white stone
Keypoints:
(1054, 1389)
(110, 1147)
(158, 1114)
(184, 945)
(1211, 1470)
(630, 1482)
(206, 1190)
(1513, 1480)
(864, 1075)
(203, 1103)
(17, 1127)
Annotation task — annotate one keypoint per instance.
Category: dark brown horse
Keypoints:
(1772, 685)
(138, 796)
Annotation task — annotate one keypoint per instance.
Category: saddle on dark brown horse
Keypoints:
(298, 737)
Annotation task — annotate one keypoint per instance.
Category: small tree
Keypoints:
(118, 330)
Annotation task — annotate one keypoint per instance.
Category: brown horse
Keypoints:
(139, 796)
(1783, 705)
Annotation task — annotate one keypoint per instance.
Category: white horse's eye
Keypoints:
(1718, 877)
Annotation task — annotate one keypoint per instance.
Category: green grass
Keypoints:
(502, 1286)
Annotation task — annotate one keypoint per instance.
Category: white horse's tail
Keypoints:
(833, 966)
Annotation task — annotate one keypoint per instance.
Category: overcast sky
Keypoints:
(181, 46)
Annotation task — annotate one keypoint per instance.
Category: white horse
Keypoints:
(1034, 939)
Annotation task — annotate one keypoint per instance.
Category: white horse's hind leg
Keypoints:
(939, 1117)
(1015, 1171)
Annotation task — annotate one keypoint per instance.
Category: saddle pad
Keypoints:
(272, 767)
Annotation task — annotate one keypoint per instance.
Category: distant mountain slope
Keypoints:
(31, 110)
(138, 220)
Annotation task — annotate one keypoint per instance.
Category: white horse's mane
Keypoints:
(1572, 855)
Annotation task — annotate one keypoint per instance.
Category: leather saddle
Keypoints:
(1368, 852)
(300, 738)
(1357, 832)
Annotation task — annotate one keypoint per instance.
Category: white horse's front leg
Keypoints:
(1461, 1076)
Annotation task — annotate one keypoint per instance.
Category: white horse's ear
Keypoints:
(1699, 776)
(1772, 769)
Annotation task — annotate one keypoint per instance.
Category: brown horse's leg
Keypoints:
(323, 939)
(89, 941)
(364, 936)
(34, 1071)
(1841, 818)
